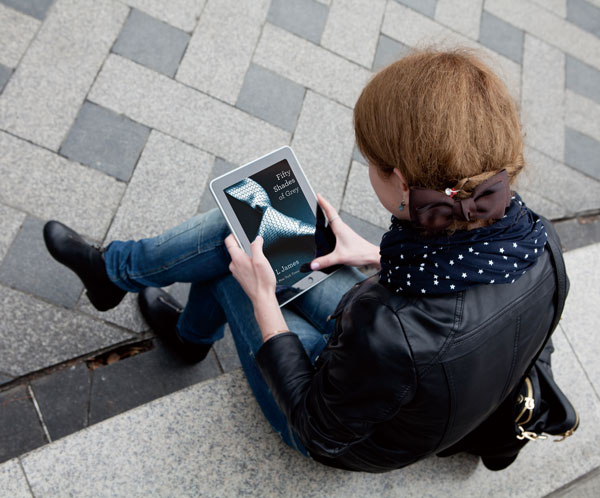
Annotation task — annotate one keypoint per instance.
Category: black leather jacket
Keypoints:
(404, 377)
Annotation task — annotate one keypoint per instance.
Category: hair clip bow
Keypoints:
(434, 210)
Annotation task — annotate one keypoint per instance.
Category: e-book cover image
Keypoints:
(271, 204)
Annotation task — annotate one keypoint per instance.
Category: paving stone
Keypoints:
(48, 186)
(105, 141)
(226, 352)
(221, 48)
(20, 428)
(543, 174)
(388, 51)
(558, 7)
(352, 29)
(13, 481)
(142, 378)
(34, 8)
(29, 267)
(151, 42)
(415, 30)
(168, 106)
(126, 314)
(426, 7)
(310, 66)
(305, 18)
(547, 26)
(15, 36)
(542, 97)
(463, 16)
(271, 97)
(585, 15)
(578, 232)
(582, 114)
(357, 156)
(5, 74)
(582, 153)
(587, 486)
(502, 37)
(360, 199)
(581, 313)
(36, 335)
(372, 233)
(10, 222)
(182, 14)
(63, 398)
(323, 143)
(583, 78)
(149, 207)
(56, 73)
(544, 206)
(207, 201)
(5, 379)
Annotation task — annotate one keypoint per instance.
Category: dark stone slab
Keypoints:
(29, 267)
(5, 74)
(220, 168)
(63, 398)
(152, 43)
(305, 18)
(426, 7)
(371, 232)
(34, 8)
(5, 378)
(104, 140)
(583, 78)
(388, 51)
(227, 352)
(582, 153)
(585, 15)
(501, 37)
(271, 97)
(20, 428)
(578, 232)
(142, 378)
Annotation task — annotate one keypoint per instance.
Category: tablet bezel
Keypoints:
(217, 189)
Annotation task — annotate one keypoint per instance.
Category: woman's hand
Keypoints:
(254, 274)
(350, 248)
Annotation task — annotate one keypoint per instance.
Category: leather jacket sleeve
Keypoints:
(363, 377)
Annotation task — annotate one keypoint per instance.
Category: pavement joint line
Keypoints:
(574, 483)
(25, 476)
(579, 361)
(554, 159)
(39, 413)
(42, 372)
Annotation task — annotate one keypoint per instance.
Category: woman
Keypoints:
(372, 374)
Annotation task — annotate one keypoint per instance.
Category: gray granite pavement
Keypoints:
(115, 115)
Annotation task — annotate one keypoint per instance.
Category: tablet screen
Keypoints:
(271, 204)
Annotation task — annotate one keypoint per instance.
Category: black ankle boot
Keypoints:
(67, 247)
(161, 311)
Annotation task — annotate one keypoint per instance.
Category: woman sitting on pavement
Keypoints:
(372, 374)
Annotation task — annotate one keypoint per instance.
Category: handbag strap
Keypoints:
(562, 283)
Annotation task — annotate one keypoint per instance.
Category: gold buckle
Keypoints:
(532, 436)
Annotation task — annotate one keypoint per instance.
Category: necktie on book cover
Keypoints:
(274, 225)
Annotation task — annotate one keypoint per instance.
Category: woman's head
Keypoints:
(438, 119)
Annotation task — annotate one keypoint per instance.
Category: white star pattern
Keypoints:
(424, 256)
(464, 275)
(506, 276)
(490, 262)
(492, 281)
(452, 286)
(460, 256)
(422, 291)
(515, 265)
(470, 249)
(480, 271)
(408, 275)
(501, 250)
(421, 268)
(408, 283)
(447, 277)
(486, 243)
(514, 244)
(451, 262)
(435, 282)
(526, 256)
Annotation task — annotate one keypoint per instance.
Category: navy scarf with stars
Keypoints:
(415, 263)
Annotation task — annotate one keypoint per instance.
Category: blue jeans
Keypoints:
(195, 252)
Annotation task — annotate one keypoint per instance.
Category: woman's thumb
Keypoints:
(322, 262)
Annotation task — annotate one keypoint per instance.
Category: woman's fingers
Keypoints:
(323, 262)
(329, 210)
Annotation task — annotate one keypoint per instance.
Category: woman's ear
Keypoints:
(401, 181)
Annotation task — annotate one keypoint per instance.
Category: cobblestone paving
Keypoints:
(114, 116)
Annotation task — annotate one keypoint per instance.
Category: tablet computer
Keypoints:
(272, 197)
